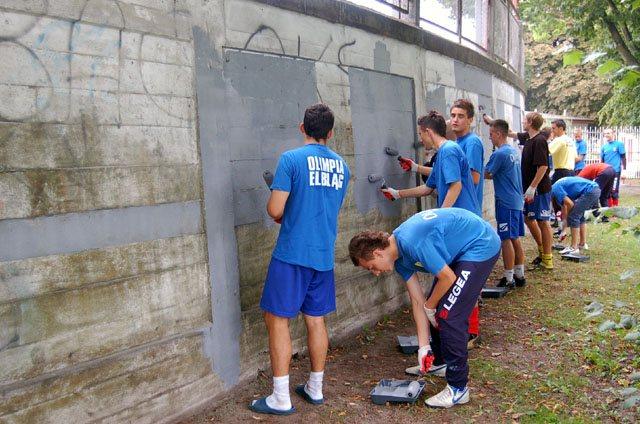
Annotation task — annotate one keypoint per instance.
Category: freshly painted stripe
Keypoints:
(74, 232)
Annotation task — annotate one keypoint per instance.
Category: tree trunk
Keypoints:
(621, 46)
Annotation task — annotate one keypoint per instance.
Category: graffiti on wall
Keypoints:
(53, 67)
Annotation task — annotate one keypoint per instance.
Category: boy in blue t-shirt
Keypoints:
(460, 249)
(462, 113)
(575, 195)
(504, 169)
(308, 189)
(450, 176)
(581, 149)
(614, 154)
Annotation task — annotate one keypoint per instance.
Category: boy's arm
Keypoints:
(452, 194)
(538, 177)
(424, 170)
(567, 205)
(419, 191)
(417, 300)
(475, 176)
(276, 203)
(446, 278)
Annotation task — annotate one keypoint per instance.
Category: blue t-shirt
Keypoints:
(450, 167)
(573, 187)
(610, 153)
(504, 167)
(316, 179)
(581, 148)
(431, 239)
(471, 145)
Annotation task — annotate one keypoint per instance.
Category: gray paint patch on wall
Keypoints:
(216, 104)
(271, 94)
(383, 114)
(74, 232)
(381, 58)
(481, 128)
(500, 110)
(470, 78)
(436, 100)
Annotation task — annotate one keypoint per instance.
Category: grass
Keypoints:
(569, 387)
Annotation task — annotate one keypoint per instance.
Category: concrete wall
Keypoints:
(133, 136)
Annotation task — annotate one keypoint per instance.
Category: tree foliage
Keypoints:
(553, 88)
(608, 31)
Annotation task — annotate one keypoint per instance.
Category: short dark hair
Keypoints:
(318, 121)
(560, 123)
(364, 243)
(466, 105)
(435, 121)
(536, 120)
(501, 125)
(546, 132)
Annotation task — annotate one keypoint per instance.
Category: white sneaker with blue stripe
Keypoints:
(448, 397)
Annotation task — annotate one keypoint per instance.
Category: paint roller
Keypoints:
(393, 152)
(374, 178)
(413, 389)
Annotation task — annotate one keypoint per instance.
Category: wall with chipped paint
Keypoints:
(133, 136)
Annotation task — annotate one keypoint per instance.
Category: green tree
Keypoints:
(551, 88)
(610, 32)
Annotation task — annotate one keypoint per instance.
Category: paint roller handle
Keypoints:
(407, 164)
(425, 358)
(390, 192)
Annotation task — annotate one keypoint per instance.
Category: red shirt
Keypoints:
(591, 171)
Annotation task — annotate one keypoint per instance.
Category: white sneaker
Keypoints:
(448, 398)
(569, 251)
(583, 246)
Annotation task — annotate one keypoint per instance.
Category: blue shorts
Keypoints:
(510, 223)
(580, 205)
(540, 208)
(290, 289)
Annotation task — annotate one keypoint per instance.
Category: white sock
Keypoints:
(280, 398)
(508, 274)
(314, 385)
(519, 271)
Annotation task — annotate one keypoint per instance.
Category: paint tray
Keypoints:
(408, 344)
(396, 391)
(494, 292)
(575, 258)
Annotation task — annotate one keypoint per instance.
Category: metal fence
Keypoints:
(491, 27)
(630, 136)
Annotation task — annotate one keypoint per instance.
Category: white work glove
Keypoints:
(425, 358)
(529, 194)
(407, 164)
(390, 193)
(431, 316)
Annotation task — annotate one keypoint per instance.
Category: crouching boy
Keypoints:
(460, 249)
